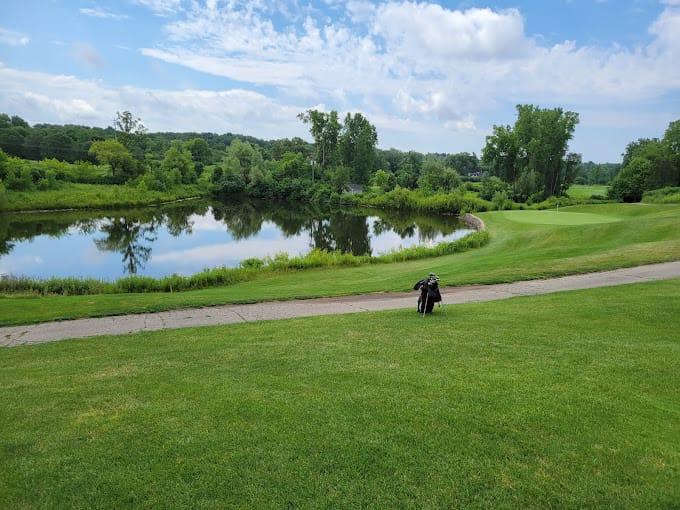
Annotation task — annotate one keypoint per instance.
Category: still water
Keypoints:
(185, 238)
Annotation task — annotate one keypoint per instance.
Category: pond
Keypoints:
(188, 237)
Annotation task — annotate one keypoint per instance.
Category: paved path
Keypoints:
(272, 310)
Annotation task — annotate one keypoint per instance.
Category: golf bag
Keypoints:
(429, 293)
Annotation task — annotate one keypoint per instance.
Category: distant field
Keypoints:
(567, 400)
(583, 191)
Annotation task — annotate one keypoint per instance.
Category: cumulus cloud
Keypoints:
(429, 31)
(418, 58)
(47, 97)
(413, 67)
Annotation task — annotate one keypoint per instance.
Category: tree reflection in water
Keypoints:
(133, 233)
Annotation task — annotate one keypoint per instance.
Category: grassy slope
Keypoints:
(94, 196)
(518, 250)
(564, 400)
(587, 191)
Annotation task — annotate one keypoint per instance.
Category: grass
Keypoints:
(555, 217)
(517, 251)
(566, 400)
(669, 195)
(94, 196)
(581, 191)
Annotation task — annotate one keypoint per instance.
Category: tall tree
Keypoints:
(357, 146)
(325, 129)
(130, 132)
(200, 153)
(534, 151)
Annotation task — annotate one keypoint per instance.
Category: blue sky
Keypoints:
(431, 76)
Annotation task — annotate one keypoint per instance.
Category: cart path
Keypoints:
(274, 310)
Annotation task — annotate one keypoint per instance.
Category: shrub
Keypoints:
(492, 185)
(501, 201)
(3, 197)
(668, 195)
(631, 182)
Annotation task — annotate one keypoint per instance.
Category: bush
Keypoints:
(3, 197)
(409, 200)
(492, 185)
(668, 195)
(438, 178)
(501, 201)
(631, 182)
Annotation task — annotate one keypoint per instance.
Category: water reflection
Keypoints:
(187, 237)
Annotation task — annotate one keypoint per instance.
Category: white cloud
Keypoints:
(426, 31)
(419, 59)
(43, 97)
(98, 12)
(162, 7)
(12, 38)
(418, 70)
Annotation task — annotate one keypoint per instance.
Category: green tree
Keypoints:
(200, 153)
(633, 180)
(115, 154)
(339, 178)
(242, 158)
(464, 162)
(17, 121)
(178, 159)
(131, 133)
(438, 178)
(325, 130)
(383, 180)
(12, 141)
(537, 144)
(672, 141)
(357, 146)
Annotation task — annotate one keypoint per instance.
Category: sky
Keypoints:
(432, 76)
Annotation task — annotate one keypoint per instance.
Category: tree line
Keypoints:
(526, 162)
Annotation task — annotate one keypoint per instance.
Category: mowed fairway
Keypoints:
(556, 217)
(595, 237)
(563, 400)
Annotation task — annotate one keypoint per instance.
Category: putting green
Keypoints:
(558, 217)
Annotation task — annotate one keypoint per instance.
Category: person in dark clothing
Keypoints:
(429, 293)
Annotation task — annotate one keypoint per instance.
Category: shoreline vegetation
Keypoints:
(76, 196)
(248, 270)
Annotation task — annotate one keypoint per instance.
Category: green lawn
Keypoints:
(564, 400)
(555, 217)
(581, 191)
(638, 234)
